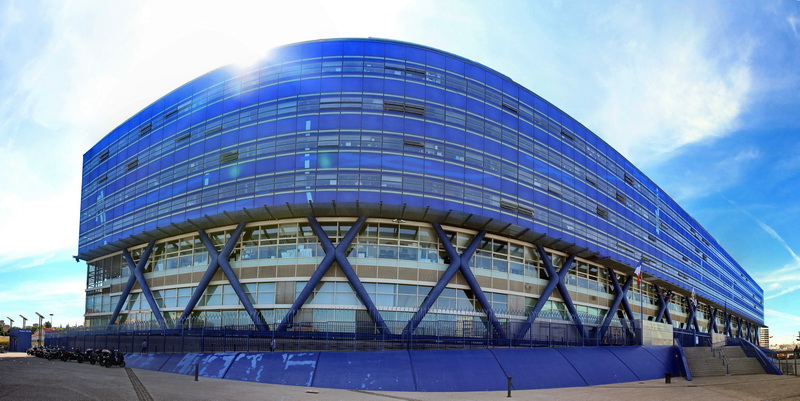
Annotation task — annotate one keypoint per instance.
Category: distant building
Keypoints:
(763, 337)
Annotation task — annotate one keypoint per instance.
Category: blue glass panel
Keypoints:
(331, 84)
(351, 84)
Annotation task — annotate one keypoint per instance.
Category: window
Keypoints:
(170, 113)
(183, 137)
(628, 179)
(622, 198)
(147, 128)
(228, 157)
(404, 108)
(591, 180)
(567, 135)
(510, 108)
(602, 212)
(104, 156)
(132, 164)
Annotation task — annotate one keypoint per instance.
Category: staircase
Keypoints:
(723, 361)
(741, 364)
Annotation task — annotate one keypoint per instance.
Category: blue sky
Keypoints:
(704, 97)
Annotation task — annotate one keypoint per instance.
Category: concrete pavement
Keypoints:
(28, 378)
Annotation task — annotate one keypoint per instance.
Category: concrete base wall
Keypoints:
(420, 370)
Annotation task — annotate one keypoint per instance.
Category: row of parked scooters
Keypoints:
(102, 357)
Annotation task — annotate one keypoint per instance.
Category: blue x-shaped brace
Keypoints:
(556, 280)
(336, 253)
(621, 297)
(457, 263)
(217, 260)
(137, 274)
(728, 331)
(712, 320)
(663, 307)
(692, 314)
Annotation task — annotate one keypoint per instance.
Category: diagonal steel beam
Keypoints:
(335, 253)
(457, 263)
(224, 264)
(692, 314)
(219, 259)
(555, 279)
(133, 267)
(476, 288)
(663, 307)
(712, 325)
(621, 296)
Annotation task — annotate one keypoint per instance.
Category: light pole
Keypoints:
(52, 325)
(24, 319)
(41, 328)
(10, 325)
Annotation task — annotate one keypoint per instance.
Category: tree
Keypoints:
(48, 325)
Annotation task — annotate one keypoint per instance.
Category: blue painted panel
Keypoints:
(295, 369)
(457, 370)
(215, 365)
(597, 365)
(665, 354)
(533, 368)
(365, 370)
(181, 363)
(642, 363)
(146, 361)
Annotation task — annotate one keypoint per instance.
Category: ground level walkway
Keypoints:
(27, 378)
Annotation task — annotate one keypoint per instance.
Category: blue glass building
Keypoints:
(366, 180)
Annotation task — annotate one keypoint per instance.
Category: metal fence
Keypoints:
(352, 336)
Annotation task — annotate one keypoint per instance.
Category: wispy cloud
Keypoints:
(786, 279)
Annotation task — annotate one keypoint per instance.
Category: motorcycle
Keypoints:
(112, 358)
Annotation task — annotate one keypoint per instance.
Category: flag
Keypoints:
(638, 272)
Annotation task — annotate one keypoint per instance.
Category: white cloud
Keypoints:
(669, 83)
(782, 326)
(64, 298)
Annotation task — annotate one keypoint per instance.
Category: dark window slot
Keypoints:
(213, 130)
(602, 212)
(102, 179)
(131, 165)
(417, 144)
(622, 198)
(591, 181)
(628, 179)
(104, 156)
(404, 108)
(228, 157)
(510, 108)
(147, 128)
(183, 138)
(566, 134)
(651, 237)
(170, 113)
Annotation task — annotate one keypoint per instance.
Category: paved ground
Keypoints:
(27, 378)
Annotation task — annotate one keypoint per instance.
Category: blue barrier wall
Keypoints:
(293, 368)
(532, 368)
(642, 363)
(379, 370)
(427, 370)
(598, 365)
(457, 370)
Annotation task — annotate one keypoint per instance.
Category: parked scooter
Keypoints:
(112, 358)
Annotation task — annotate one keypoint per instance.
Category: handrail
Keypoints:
(765, 362)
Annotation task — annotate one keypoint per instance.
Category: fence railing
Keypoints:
(359, 335)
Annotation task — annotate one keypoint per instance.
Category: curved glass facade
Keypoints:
(406, 136)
